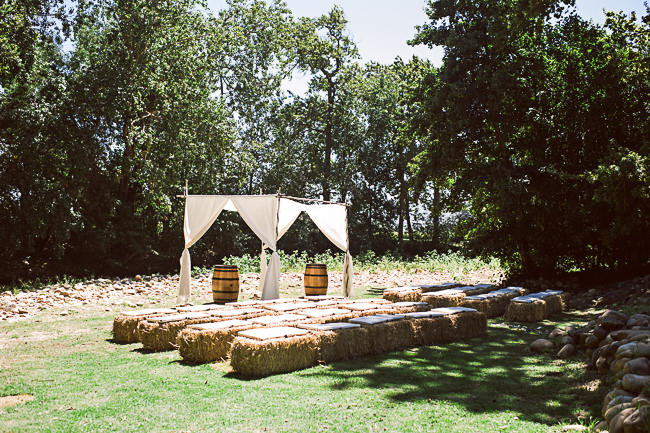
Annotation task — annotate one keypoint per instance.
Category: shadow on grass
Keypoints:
(487, 374)
(375, 291)
(143, 351)
(119, 343)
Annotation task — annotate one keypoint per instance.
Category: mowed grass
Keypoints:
(84, 383)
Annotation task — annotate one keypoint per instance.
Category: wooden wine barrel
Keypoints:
(225, 284)
(315, 279)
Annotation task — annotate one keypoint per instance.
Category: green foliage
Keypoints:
(538, 125)
(529, 143)
(451, 262)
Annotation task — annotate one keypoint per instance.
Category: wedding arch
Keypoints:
(269, 217)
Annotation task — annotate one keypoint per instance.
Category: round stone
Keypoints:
(541, 345)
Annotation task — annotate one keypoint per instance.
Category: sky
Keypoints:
(381, 28)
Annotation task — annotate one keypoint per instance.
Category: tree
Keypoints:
(530, 100)
(142, 82)
(251, 52)
(324, 49)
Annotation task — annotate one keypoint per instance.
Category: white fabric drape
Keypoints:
(261, 215)
(230, 206)
(331, 219)
(263, 266)
(200, 213)
(269, 218)
(287, 214)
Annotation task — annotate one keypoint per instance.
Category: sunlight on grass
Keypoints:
(82, 382)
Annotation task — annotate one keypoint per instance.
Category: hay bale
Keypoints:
(454, 297)
(329, 303)
(444, 325)
(535, 306)
(477, 289)
(320, 298)
(430, 329)
(554, 301)
(252, 357)
(370, 301)
(341, 341)
(427, 288)
(316, 313)
(390, 336)
(444, 298)
(327, 315)
(289, 306)
(414, 292)
(554, 304)
(199, 308)
(209, 342)
(387, 332)
(242, 304)
(467, 324)
(361, 306)
(403, 294)
(239, 313)
(410, 307)
(160, 333)
(277, 320)
(259, 302)
(526, 309)
(345, 313)
(494, 303)
(125, 325)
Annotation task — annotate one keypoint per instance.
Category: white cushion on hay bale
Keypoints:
(270, 333)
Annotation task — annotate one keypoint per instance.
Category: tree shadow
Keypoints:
(488, 374)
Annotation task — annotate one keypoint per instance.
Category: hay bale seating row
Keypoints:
(535, 306)
(414, 293)
(125, 324)
(160, 333)
(263, 352)
(454, 297)
(208, 343)
(494, 303)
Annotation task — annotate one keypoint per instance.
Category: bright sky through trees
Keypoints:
(381, 28)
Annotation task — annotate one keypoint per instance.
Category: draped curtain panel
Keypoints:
(269, 218)
(200, 213)
(332, 220)
(261, 215)
(287, 214)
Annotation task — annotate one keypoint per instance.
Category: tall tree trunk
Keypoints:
(369, 225)
(408, 217)
(127, 158)
(327, 166)
(402, 200)
(436, 217)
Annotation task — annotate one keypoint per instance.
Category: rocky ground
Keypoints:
(118, 294)
(618, 347)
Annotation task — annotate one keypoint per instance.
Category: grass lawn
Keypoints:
(83, 382)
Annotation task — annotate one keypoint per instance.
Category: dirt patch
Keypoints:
(120, 294)
(15, 400)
